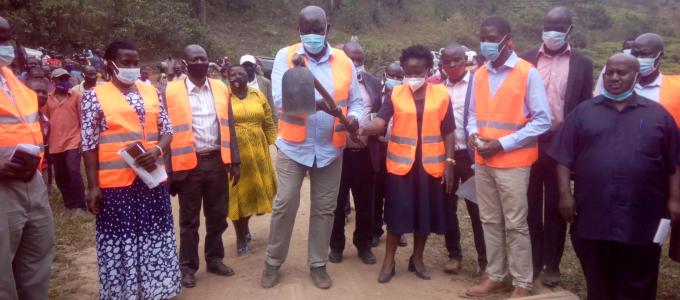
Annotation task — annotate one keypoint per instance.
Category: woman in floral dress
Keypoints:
(136, 250)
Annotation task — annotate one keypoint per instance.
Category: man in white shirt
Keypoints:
(453, 64)
(203, 153)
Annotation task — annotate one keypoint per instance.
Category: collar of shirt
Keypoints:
(326, 56)
(567, 51)
(193, 88)
(633, 103)
(3, 83)
(510, 63)
(655, 83)
(465, 80)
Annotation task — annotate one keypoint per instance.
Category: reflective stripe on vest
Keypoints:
(19, 117)
(124, 129)
(294, 128)
(503, 114)
(182, 149)
(401, 149)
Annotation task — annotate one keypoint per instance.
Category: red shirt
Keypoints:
(64, 118)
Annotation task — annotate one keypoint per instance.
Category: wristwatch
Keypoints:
(451, 161)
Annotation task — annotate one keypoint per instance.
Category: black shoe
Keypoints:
(421, 274)
(270, 276)
(188, 280)
(375, 241)
(335, 256)
(386, 277)
(551, 278)
(403, 242)
(367, 256)
(321, 278)
(217, 267)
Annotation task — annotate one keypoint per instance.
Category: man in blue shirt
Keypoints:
(623, 151)
(310, 144)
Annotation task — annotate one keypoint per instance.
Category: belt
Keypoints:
(208, 155)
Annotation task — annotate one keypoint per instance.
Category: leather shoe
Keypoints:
(520, 293)
(335, 256)
(270, 276)
(217, 267)
(367, 256)
(375, 241)
(486, 288)
(188, 280)
(551, 278)
(403, 242)
(320, 277)
(386, 277)
(452, 266)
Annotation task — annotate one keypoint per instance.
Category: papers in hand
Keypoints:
(29, 156)
(151, 179)
(662, 232)
(467, 190)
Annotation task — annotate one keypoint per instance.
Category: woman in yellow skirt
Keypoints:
(255, 131)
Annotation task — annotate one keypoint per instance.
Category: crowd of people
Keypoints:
(522, 127)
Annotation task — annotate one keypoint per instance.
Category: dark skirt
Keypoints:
(416, 202)
(136, 249)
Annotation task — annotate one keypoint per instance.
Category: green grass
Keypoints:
(73, 233)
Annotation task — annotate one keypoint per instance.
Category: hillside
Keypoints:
(261, 27)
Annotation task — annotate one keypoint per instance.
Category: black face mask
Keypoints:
(90, 80)
(197, 70)
(239, 82)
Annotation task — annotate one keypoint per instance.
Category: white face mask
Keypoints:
(127, 75)
(414, 82)
(6, 55)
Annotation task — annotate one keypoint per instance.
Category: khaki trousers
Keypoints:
(325, 183)
(26, 239)
(503, 208)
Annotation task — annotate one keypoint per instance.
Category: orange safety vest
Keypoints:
(19, 121)
(124, 129)
(294, 128)
(401, 148)
(669, 96)
(179, 110)
(503, 114)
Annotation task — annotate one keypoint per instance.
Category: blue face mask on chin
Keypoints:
(491, 51)
(313, 43)
(620, 97)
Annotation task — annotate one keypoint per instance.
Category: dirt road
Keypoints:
(351, 278)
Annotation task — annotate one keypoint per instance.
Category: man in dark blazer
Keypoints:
(568, 79)
(359, 167)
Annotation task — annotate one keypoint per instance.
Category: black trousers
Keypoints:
(206, 185)
(378, 220)
(546, 227)
(357, 177)
(68, 177)
(463, 171)
(618, 271)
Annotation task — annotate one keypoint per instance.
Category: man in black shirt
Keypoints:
(623, 151)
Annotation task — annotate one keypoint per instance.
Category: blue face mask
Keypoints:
(391, 83)
(620, 97)
(627, 51)
(6, 55)
(647, 65)
(554, 40)
(491, 50)
(313, 43)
